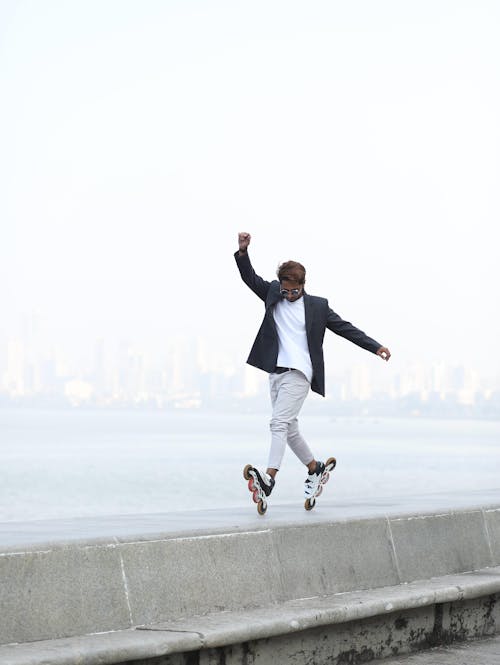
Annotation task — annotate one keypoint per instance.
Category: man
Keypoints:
(289, 346)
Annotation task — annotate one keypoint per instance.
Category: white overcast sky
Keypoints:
(359, 137)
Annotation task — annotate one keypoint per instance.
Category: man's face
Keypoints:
(291, 291)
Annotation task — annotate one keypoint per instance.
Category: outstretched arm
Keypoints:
(345, 329)
(258, 285)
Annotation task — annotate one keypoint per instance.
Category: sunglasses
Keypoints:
(293, 292)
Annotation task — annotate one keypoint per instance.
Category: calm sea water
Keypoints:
(83, 463)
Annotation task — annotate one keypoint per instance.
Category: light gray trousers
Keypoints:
(288, 392)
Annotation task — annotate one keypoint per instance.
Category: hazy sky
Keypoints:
(359, 137)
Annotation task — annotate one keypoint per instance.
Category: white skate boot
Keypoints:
(315, 481)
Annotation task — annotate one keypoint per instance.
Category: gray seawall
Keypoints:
(315, 590)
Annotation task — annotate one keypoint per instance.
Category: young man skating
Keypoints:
(289, 346)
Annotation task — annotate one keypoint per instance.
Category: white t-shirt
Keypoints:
(293, 350)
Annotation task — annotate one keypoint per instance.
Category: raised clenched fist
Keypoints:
(243, 241)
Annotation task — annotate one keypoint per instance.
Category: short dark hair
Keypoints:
(291, 271)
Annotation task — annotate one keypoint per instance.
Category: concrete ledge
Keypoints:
(234, 627)
(103, 649)
(229, 628)
(179, 594)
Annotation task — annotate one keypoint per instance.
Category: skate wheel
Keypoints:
(319, 490)
(251, 484)
(309, 503)
(246, 472)
(261, 507)
(330, 463)
(255, 496)
(325, 478)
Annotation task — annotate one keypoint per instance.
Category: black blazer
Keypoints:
(319, 316)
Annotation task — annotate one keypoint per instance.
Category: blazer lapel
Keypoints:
(309, 312)
(274, 295)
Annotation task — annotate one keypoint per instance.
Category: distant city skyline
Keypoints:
(186, 376)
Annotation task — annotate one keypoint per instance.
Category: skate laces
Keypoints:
(269, 481)
(266, 481)
(313, 479)
(262, 477)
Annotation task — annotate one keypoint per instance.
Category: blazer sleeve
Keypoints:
(258, 285)
(345, 329)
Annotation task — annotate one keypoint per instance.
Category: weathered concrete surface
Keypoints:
(492, 518)
(478, 652)
(356, 642)
(185, 576)
(448, 543)
(344, 556)
(60, 592)
(334, 643)
(379, 583)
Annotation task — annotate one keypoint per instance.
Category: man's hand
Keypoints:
(384, 353)
(243, 241)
